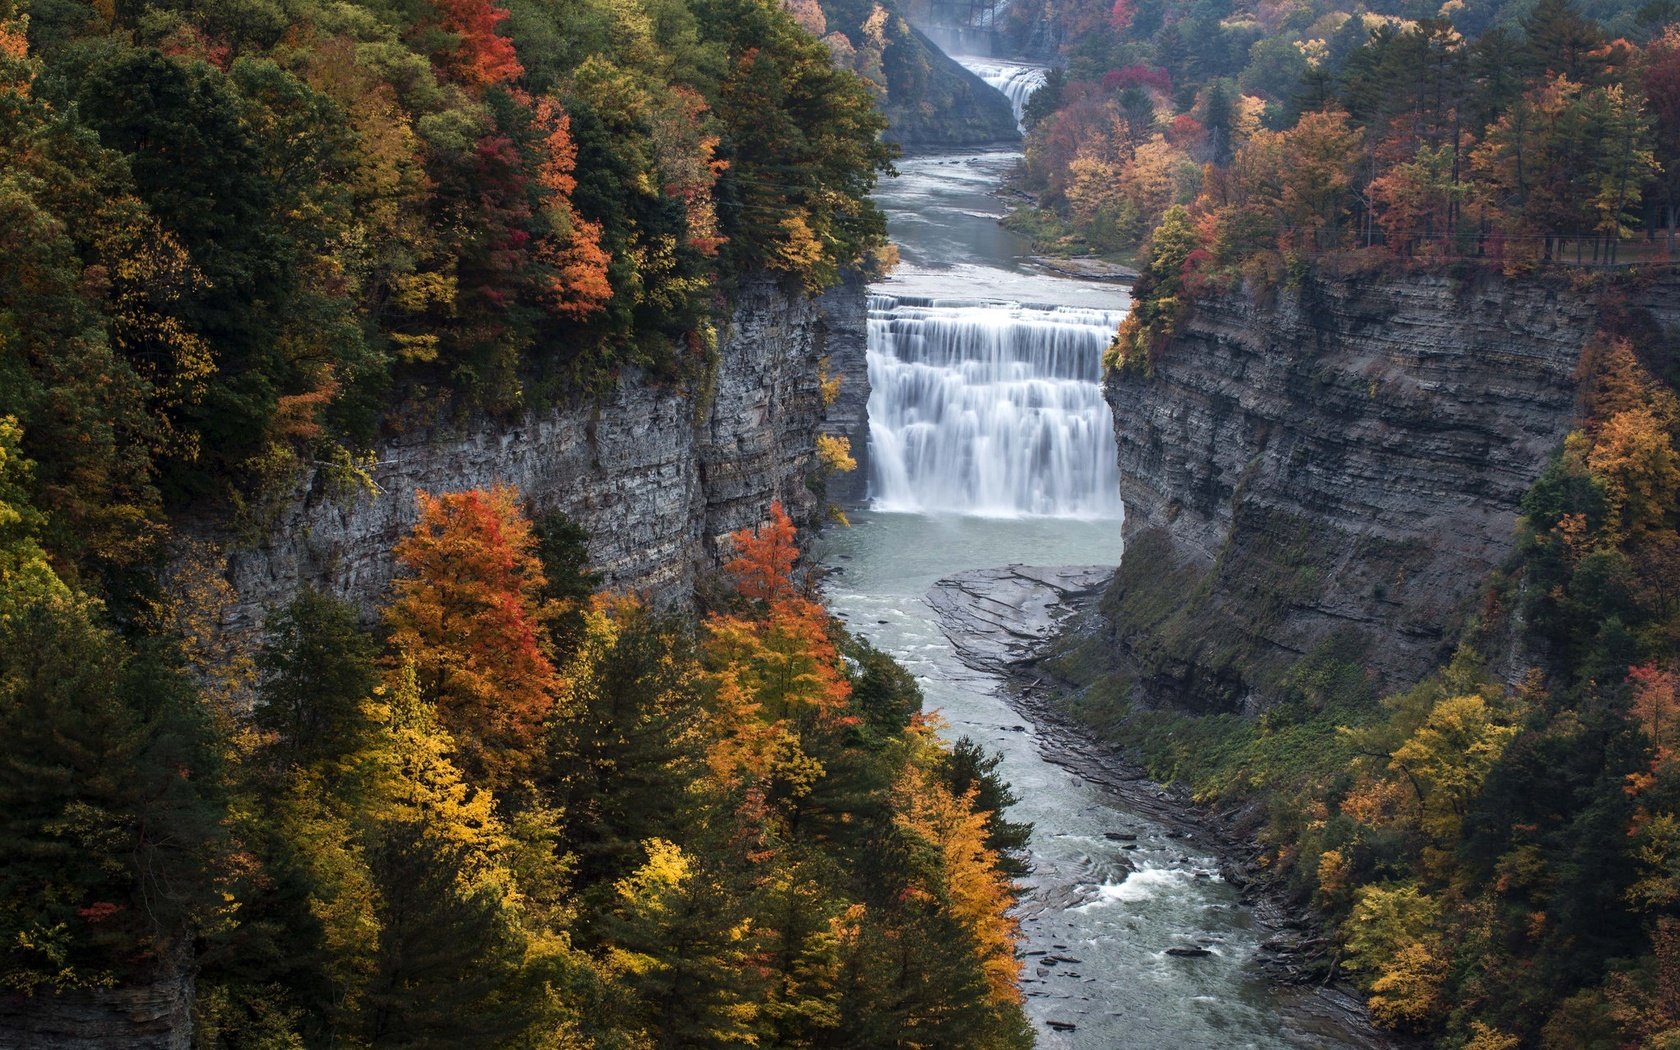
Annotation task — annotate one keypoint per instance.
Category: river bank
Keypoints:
(998, 622)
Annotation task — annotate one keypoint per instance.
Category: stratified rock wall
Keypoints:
(153, 1014)
(934, 103)
(845, 311)
(658, 476)
(1349, 454)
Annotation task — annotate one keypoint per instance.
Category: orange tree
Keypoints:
(468, 615)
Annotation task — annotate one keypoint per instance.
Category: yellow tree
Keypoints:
(1635, 460)
(1447, 759)
(964, 875)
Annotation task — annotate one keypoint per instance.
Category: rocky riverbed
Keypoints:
(996, 620)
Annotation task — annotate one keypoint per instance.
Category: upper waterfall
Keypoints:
(1016, 81)
(989, 407)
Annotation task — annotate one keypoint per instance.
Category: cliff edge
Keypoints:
(1335, 463)
(657, 475)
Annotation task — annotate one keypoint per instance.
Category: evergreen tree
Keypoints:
(316, 673)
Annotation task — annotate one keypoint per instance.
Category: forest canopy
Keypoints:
(236, 237)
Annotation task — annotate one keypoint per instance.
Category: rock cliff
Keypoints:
(150, 1014)
(845, 312)
(1331, 464)
(933, 102)
(930, 101)
(656, 475)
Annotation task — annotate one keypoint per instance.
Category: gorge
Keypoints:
(429, 614)
(989, 442)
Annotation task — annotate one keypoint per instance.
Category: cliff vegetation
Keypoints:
(1396, 598)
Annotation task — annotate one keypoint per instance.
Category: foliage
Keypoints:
(236, 239)
(1298, 131)
(468, 621)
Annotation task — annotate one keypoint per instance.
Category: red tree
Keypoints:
(481, 57)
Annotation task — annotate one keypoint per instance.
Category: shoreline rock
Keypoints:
(1085, 269)
(973, 612)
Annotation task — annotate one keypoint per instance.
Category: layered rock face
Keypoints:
(845, 312)
(1339, 463)
(657, 476)
(153, 1014)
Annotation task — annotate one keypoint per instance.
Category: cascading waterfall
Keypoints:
(1017, 82)
(990, 408)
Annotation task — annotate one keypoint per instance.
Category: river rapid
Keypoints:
(976, 356)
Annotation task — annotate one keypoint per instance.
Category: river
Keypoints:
(991, 445)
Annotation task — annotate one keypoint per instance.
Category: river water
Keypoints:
(967, 319)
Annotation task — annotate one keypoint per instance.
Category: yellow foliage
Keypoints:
(416, 781)
(798, 249)
(978, 894)
(1636, 462)
(1408, 991)
(1333, 871)
(1447, 759)
(828, 384)
(834, 451)
(1484, 1038)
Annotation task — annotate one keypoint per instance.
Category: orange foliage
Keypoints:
(966, 875)
(467, 615)
(579, 285)
(1656, 705)
(764, 558)
(481, 58)
(775, 667)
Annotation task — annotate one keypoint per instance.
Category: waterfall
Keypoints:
(991, 408)
(1017, 82)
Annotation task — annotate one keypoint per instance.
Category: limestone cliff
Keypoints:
(933, 102)
(656, 475)
(845, 311)
(1342, 460)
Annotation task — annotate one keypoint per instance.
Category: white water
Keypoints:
(990, 408)
(1016, 81)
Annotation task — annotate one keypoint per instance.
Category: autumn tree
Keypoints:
(468, 615)
(773, 665)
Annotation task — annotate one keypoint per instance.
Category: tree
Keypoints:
(1447, 758)
(1392, 936)
(683, 949)
(963, 874)
(476, 55)
(1636, 462)
(968, 772)
(774, 667)
(624, 758)
(1316, 176)
(468, 615)
(1662, 101)
(316, 672)
(109, 795)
